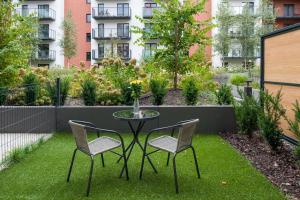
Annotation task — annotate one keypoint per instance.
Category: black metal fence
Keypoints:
(21, 122)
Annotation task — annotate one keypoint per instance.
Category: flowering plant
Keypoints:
(136, 87)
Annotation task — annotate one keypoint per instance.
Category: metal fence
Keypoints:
(21, 122)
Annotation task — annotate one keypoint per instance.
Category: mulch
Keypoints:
(281, 167)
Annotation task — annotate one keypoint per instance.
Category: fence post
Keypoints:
(248, 88)
(58, 92)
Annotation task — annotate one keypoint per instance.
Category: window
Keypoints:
(289, 10)
(88, 56)
(148, 27)
(123, 30)
(123, 9)
(88, 1)
(88, 18)
(43, 11)
(150, 49)
(88, 37)
(101, 9)
(100, 50)
(249, 5)
(25, 10)
(150, 5)
(44, 31)
(43, 51)
(123, 50)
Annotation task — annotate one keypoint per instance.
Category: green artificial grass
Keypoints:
(225, 174)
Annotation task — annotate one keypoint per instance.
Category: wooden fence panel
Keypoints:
(281, 68)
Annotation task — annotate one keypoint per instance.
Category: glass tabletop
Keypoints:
(142, 115)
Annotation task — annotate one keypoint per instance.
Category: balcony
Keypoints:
(237, 53)
(238, 10)
(97, 55)
(47, 35)
(42, 14)
(45, 55)
(111, 13)
(148, 12)
(111, 33)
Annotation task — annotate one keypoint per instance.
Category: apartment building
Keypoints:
(50, 14)
(234, 56)
(287, 12)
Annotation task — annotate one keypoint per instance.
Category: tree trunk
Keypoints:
(176, 57)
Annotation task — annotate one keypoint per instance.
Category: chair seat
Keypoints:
(165, 142)
(103, 144)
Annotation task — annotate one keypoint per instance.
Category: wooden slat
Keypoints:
(289, 96)
(282, 58)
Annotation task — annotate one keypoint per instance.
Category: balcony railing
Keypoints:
(99, 55)
(47, 34)
(45, 55)
(238, 53)
(238, 10)
(111, 13)
(148, 12)
(41, 13)
(111, 33)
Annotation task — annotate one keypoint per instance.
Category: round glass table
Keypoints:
(138, 119)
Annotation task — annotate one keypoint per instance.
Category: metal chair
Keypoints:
(98, 146)
(173, 145)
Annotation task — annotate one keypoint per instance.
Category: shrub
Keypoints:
(31, 90)
(109, 98)
(238, 80)
(190, 91)
(224, 95)
(89, 92)
(294, 126)
(158, 88)
(269, 119)
(3, 95)
(64, 89)
(126, 92)
(247, 112)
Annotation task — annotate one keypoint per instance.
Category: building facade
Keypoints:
(235, 53)
(50, 14)
(287, 12)
(102, 27)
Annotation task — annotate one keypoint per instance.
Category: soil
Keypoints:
(281, 167)
(174, 97)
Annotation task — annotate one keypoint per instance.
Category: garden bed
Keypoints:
(280, 167)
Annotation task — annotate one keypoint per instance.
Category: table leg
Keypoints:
(127, 148)
(136, 140)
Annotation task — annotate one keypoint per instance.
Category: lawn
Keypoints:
(225, 175)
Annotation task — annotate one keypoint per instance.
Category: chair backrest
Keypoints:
(80, 135)
(186, 132)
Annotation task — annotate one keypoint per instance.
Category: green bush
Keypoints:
(269, 119)
(3, 95)
(64, 89)
(31, 88)
(294, 126)
(158, 88)
(89, 92)
(190, 91)
(238, 80)
(109, 98)
(126, 92)
(247, 112)
(224, 95)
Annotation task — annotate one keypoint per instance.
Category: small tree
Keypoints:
(224, 22)
(68, 41)
(17, 36)
(176, 28)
